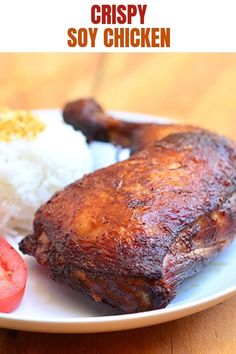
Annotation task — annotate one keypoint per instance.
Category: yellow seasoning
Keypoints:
(19, 124)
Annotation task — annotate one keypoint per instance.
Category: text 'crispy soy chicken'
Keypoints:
(130, 233)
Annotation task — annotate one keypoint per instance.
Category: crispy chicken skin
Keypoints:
(128, 234)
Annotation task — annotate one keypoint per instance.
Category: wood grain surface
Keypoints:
(196, 88)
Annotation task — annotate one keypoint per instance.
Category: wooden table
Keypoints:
(197, 88)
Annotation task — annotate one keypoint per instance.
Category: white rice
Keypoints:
(32, 171)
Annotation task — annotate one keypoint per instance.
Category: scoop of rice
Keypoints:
(31, 171)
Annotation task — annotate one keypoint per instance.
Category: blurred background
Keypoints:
(197, 88)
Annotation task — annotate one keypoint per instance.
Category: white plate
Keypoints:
(50, 307)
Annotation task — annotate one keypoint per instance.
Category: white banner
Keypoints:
(116, 26)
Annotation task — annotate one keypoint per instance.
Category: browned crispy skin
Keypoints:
(129, 234)
(89, 117)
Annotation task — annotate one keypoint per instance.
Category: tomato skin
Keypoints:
(13, 276)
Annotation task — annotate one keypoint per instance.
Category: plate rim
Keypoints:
(55, 324)
(116, 318)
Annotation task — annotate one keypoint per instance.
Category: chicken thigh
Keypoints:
(129, 234)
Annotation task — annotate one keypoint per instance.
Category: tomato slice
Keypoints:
(13, 275)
